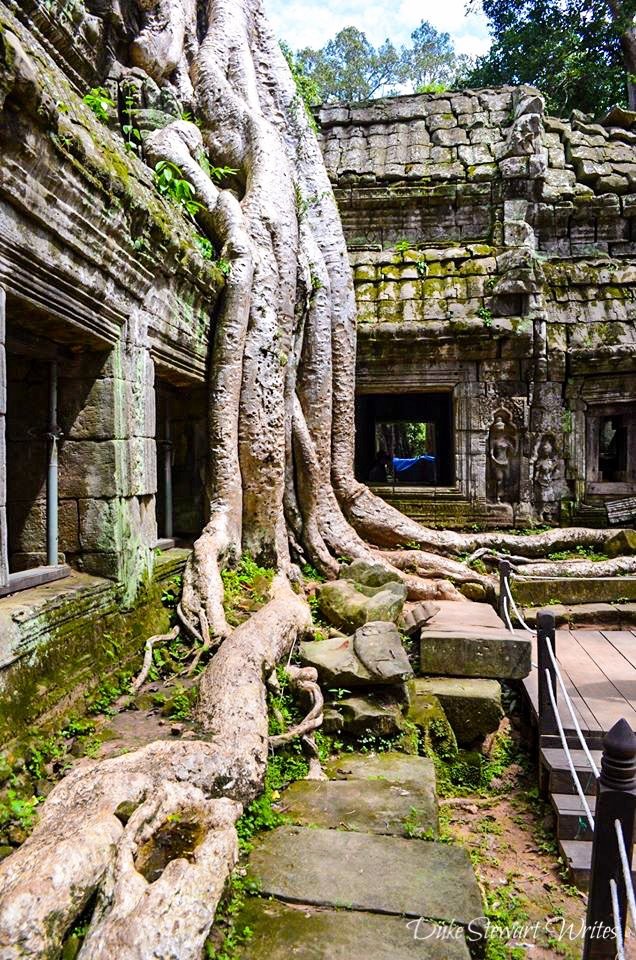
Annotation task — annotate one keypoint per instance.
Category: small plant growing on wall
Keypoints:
(171, 183)
(486, 315)
(99, 102)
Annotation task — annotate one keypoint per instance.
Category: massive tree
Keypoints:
(281, 486)
(349, 68)
(580, 53)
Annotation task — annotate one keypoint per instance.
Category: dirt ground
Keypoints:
(511, 842)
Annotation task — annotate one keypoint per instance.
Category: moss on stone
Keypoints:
(85, 638)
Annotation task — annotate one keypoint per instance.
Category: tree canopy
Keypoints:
(350, 68)
(578, 52)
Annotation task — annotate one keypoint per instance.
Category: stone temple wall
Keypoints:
(101, 279)
(494, 260)
(104, 278)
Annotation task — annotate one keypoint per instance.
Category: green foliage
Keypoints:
(307, 88)
(486, 315)
(578, 553)
(570, 49)
(19, 810)
(224, 266)
(227, 919)
(182, 703)
(468, 773)
(310, 573)
(131, 133)
(505, 911)
(204, 246)
(107, 692)
(99, 102)
(246, 588)
(350, 68)
(171, 183)
(216, 173)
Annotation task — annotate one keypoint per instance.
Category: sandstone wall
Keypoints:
(102, 275)
(494, 258)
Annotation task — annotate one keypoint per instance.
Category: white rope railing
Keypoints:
(570, 706)
(509, 597)
(507, 615)
(566, 750)
(618, 922)
(627, 871)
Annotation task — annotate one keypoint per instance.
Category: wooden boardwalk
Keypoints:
(599, 670)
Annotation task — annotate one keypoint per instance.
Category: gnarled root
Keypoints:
(80, 846)
(304, 681)
(147, 662)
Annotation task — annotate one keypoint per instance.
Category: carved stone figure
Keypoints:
(502, 449)
(546, 477)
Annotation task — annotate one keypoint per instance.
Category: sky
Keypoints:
(311, 23)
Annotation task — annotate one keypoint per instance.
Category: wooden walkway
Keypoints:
(599, 670)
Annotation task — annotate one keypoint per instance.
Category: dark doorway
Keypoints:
(405, 439)
(181, 460)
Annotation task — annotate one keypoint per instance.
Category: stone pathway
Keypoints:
(350, 877)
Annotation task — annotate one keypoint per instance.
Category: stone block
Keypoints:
(348, 606)
(567, 590)
(87, 408)
(90, 468)
(306, 866)
(473, 652)
(388, 765)
(278, 931)
(374, 655)
(473, 707)
(449, 137)
(366, 806)
(377, 714)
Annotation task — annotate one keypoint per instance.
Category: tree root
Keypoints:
(147, 663)
(81, 847)
(304, 681)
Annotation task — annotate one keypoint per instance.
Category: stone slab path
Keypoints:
(346, 878)
(468, 639)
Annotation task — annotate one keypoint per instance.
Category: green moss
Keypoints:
(86, 638)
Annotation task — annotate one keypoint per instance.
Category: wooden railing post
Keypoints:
(546, 631)
(504, 575)
(615, 800)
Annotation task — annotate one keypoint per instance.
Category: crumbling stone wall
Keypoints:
(103, 273)
(492, 249)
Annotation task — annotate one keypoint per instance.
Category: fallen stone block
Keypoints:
(374, 655)
(348, 606)
(473, 707)
(474, 653)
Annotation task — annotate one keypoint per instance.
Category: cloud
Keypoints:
(311, 23)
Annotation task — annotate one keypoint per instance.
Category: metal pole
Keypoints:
(167, 475)
(52, 476)
(615, 800)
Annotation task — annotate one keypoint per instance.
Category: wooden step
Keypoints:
(577, 855)
(571, 821)
(559, 776)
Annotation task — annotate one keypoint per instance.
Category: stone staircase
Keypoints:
(356, 873)
(573, 831)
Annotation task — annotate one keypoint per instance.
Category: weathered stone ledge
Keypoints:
(61, 639)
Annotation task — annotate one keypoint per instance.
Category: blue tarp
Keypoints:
(400, 464)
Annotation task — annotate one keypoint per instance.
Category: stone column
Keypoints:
(4, 554)
(107, 462)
